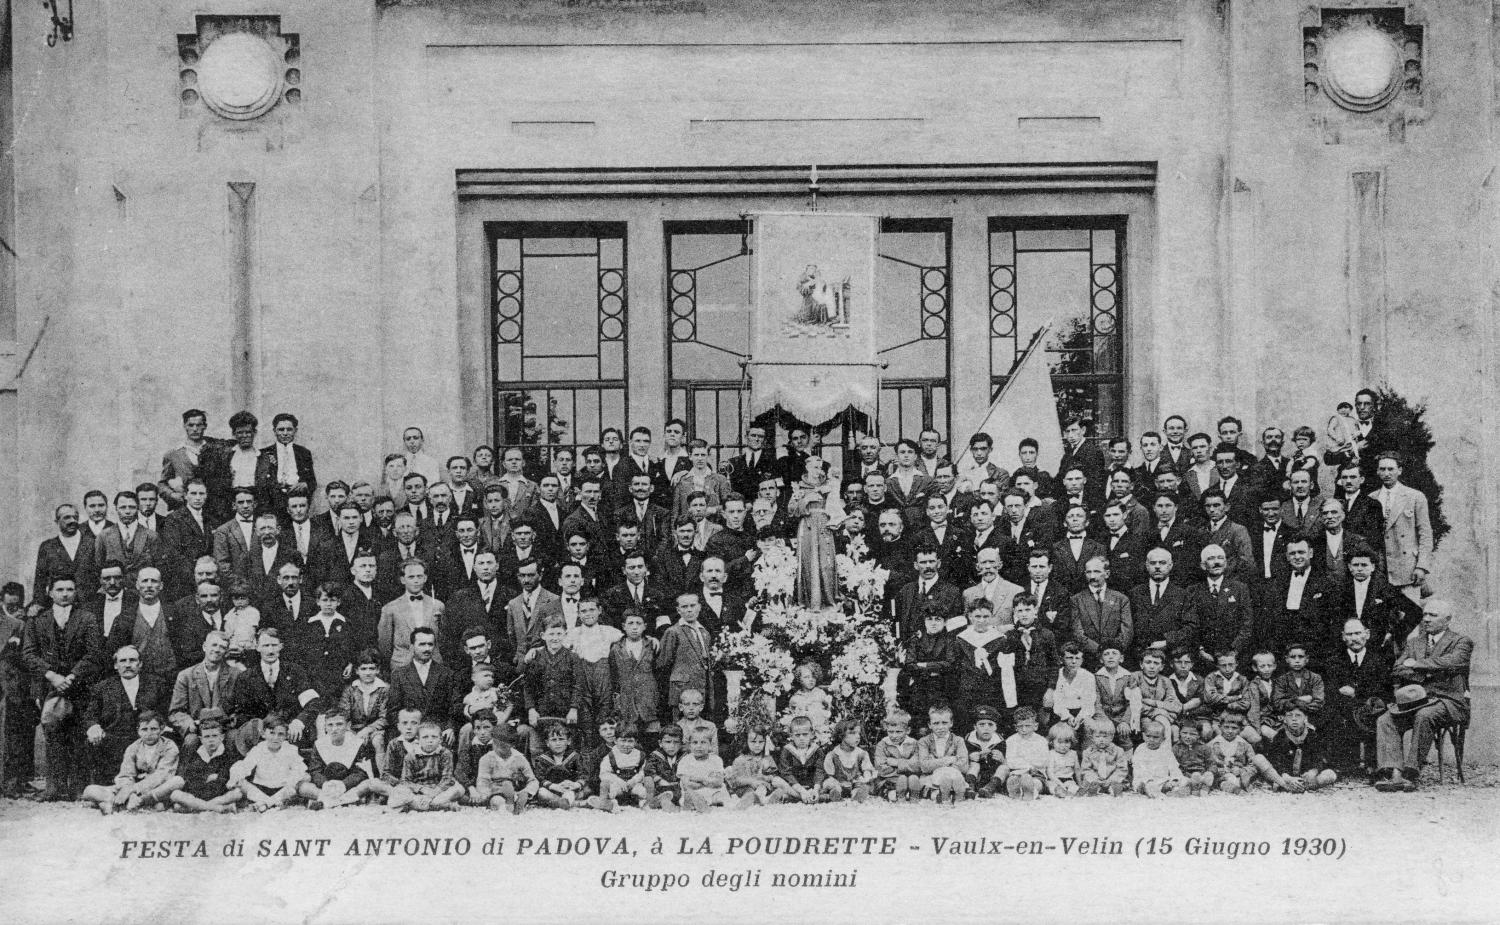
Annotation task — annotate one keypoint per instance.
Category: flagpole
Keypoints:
(1015, 373)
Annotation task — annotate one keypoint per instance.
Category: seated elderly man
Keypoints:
(1437, 659)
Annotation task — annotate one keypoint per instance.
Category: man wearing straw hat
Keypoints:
(1430, 676)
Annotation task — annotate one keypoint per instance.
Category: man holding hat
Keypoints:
(1430, 676)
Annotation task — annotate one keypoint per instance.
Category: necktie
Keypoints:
(635, 592)
(1155, 593)
(271, 676)
(1431, 644)
(213, 690)
(1036, 592)
(1099, 596)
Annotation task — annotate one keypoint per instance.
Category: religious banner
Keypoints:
(812, 329)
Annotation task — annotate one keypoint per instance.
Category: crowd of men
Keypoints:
(1182, 542)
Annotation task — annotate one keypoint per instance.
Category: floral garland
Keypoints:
(852, 644)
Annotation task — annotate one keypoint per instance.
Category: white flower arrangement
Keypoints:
(775, 573)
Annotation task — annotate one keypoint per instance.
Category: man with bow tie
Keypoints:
(1437, 658)
(414, 608)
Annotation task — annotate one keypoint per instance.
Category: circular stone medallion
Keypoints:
(239, 76)
(1362, 69)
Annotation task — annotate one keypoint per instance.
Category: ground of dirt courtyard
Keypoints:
(1347, 854)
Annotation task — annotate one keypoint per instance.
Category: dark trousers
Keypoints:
(68, 759)
(19, 715)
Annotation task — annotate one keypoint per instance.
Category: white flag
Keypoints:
(1026, 407)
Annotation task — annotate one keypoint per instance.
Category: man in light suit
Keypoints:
(1101, 617)
(126, 541)
(527, 612)
(414, 609)
(181, 464)
(234, 538)
(1408, 531)
(991, 587)
(1438, 659)
(206, 685)
(283, 466)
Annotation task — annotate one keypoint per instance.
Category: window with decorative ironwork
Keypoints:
(708, 329)
(560, 317)
(1067, 271)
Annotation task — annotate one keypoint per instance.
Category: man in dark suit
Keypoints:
(478, 603)
(1023, 529)
(284, 465)
(1236, 483)
(546, 516)
(1074, 549)
(950, 540)
(290, 606)
(588, 518)
(1295, 608)
(1082, 453)
(109, 719)
(1272, 470)
(426, 685)
(185, 536)
(362, 601)
(1300, 511)
(677, 565)
(457, 560)
(722, 611)
(228, 465)
(1268, 543)
(1362, 513)
(190, 622)
(113, 609)
(653, 521)
(1437, 659)
(336, 494)
(1364, 594)
(332, 555)
(1101, 617)
(639, 592)
(409, 543)
(636, 462)
(1124, 549)
(1177, 536)
(1226, 617)
(69, 553)
(746, 471)
(1152, 461)
(61, 648)
(1054, 601)
(275, 684)
(1160, 609)
(262, 565)
(929, 588)
(1176, 450)
(1351, 677)
(1331, 545)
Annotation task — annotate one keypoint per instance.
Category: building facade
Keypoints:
(501, 218)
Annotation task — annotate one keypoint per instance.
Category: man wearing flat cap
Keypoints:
(1431, 677)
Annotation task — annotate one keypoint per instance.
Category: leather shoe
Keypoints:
(1391, 783)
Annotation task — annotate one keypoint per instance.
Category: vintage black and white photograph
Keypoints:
(814, 460)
